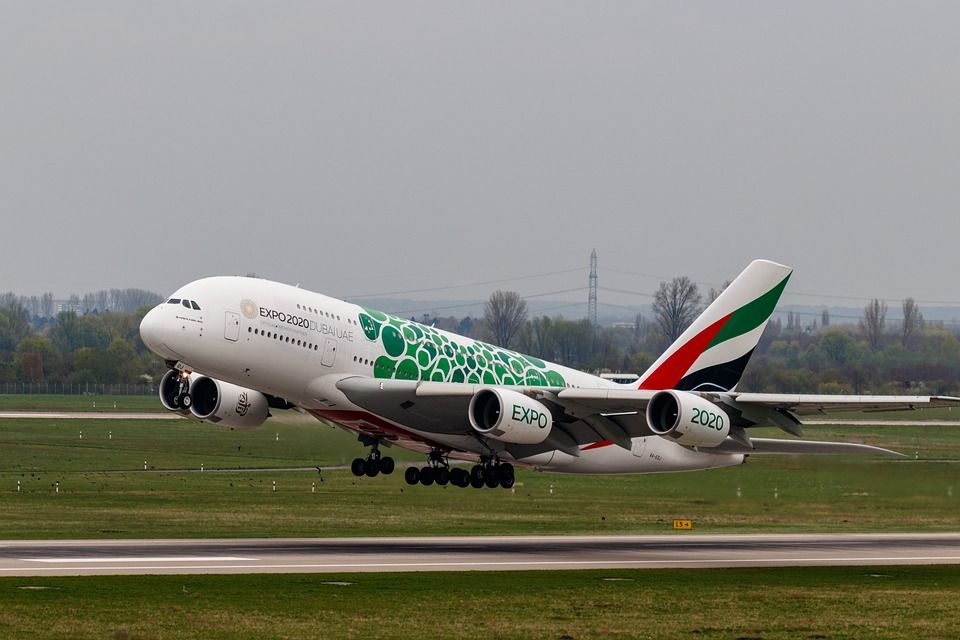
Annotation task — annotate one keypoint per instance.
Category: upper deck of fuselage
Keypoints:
(394, 348)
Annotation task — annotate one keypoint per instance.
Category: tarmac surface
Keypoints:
(345, 555)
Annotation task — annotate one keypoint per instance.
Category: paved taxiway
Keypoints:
(342, 555)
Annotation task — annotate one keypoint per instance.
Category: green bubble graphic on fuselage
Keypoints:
(418, 352)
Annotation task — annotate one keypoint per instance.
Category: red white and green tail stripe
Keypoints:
(713, 352)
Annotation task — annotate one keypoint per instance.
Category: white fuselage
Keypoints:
(295, 344)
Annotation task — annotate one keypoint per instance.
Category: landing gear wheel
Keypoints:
(476, 474)
(427, 476)
(358, 467)
(412, 475)
(459, 478)
(182, 401)
(507, 483)
(505, 472)
(475, 482)
(443, 476)
(371, 468)
(387, 465)
(490, 477)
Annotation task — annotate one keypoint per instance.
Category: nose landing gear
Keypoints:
(181, 398)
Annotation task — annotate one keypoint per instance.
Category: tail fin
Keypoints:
(713, 352)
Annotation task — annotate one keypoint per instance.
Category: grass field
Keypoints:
(789, 603)
(104, 491)
(43, 402)
(150, 403)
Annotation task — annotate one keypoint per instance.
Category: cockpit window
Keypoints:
(173, 301)
(186, 303)
(195, 305)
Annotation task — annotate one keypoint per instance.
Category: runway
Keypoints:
(346, 555)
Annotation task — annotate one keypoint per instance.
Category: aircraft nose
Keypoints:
(150, 330)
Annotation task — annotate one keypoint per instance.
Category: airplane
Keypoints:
(238, 347)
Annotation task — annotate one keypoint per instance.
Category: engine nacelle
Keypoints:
(509, 416)
(687, 418)
(170, 386)
(228, 405)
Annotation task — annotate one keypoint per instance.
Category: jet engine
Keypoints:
(509, 416)
(687, 418)
(228, 405)
(173, 386)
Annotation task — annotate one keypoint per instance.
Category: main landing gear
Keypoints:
(374, 464)
(489, 473)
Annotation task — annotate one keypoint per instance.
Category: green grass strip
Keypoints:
(789, 603)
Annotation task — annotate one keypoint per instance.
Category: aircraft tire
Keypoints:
(182, 401)
(357, 467)
(443, 477)
(507, 483)
(476, 483)
(505, 471)
(427, 476)
(476, 473)
(412, 475)
(459, 478)
(371, 468)
(387, 465)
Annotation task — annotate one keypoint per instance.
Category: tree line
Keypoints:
(872, 356)
(44, 307)
(97, 347)
(909, 356)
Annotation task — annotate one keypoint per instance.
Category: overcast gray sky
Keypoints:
(376, 147)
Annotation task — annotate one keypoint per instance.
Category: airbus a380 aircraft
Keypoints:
(239, 346)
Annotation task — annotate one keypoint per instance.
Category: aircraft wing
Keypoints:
(758, 409)
(801, 404)
(442, 408)
(586, 416)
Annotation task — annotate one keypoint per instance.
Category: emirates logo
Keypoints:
(243, 404)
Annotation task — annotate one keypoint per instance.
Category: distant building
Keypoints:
(67, 305)
(622, 378)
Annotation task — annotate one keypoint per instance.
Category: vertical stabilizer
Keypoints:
(713, 352)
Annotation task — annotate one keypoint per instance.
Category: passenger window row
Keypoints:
(327, 314)
(287, 339)
(319, 312)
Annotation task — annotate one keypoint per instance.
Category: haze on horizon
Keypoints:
(362, 148)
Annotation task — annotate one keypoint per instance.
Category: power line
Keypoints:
(464, 286)
(478, 302)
